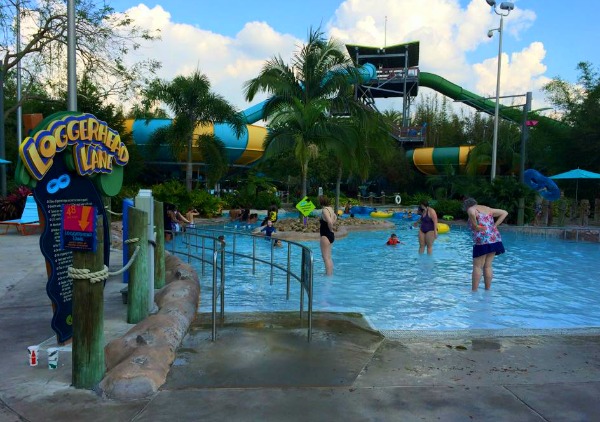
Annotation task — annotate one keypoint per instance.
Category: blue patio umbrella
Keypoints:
(576, 174)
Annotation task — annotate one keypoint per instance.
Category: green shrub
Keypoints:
(265, 199)
(451, 207)
(174, 192)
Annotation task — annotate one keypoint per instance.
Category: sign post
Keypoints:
(88, 318)
(73, 162)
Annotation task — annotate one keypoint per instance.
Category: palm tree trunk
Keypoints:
(304, 170)
(338, 182)
(188, 171)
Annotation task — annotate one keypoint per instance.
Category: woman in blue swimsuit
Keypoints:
(326, 224)
(428, 231)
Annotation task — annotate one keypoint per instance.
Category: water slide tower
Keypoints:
(397, 76)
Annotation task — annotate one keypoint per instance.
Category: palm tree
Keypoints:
(193, 104)
(303, 95)
(354, 155)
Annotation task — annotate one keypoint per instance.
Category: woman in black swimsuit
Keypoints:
(327, 221)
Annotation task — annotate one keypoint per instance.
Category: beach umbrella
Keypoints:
(3, 161)
(576, 174)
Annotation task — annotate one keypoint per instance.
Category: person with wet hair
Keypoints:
(326, 226)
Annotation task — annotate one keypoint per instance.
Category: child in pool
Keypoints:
(269, 229)
(393, 240)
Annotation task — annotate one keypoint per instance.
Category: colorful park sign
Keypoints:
(72, 161)
(95, 146)
(305, 206)
(78, 228)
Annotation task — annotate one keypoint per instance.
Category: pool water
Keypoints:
(539, 283)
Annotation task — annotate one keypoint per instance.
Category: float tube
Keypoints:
(443, 228)
(544, 186)
(381, 214)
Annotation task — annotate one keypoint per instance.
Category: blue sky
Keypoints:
(230, 40)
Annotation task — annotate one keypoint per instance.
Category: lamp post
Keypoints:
(507, 6)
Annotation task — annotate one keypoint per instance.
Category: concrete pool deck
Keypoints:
(262, 368)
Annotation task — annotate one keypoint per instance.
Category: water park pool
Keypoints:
(539, 283)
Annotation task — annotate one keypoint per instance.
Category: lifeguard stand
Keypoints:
(397, 76)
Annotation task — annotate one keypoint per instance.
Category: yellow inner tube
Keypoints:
(381, 214)
(443, 228)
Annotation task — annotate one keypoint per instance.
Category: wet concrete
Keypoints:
(261, 367)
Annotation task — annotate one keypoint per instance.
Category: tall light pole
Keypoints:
(506, 6)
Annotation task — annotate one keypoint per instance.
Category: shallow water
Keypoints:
(538, 283)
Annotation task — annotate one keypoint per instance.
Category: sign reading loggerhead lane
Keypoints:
(71, 161)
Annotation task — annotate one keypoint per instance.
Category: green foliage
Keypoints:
(577, 143)
(264, 199)
(503, 193)
(451, 207)
(191, 101)
(416, 198)
(175, 192)
(299, 110)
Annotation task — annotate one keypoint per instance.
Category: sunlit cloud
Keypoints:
(446, 31)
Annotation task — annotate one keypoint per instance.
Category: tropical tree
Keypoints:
(356, 155)
(580, 107)
(311, 104)
(193, 104)
(104, 39)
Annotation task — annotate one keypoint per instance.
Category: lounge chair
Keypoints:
(29, 222)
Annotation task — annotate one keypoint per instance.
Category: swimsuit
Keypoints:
(269, 230)
(426, 222)
(488, 240)
(324, 230)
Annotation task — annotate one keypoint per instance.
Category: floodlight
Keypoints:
(491, 2)
(490, 33)
(507, 5)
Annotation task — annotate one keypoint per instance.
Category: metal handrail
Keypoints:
(192, 238)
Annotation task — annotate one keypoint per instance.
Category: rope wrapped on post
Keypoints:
(112, 212)
(103, 274)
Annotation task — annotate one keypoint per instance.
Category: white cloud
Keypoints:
(448, 34)
(227, 62)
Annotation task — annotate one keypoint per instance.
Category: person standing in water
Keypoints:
(326, 225)
(428, 231)
(487, 242)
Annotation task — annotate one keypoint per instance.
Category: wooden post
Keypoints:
(159, 249)
(137, 291)
(88, 317)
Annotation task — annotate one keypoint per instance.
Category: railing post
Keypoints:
(253, 255)
(159, 249)
(222, 282)
(289, 268)
(137, 290)
(214, 297)
(272, 244)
